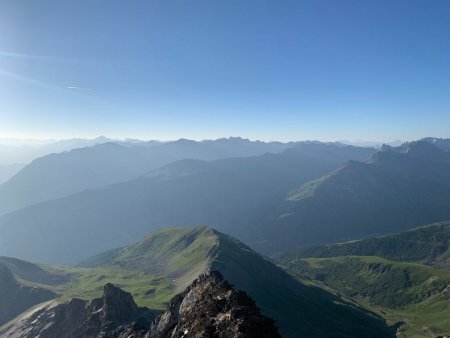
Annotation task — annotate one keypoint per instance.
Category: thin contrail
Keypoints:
(79, 88)
(24, 56)
(40, 83)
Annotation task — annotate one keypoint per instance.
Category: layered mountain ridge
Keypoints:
(107, 162)
(236, 196)
(253, 198)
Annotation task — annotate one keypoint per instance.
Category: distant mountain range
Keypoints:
(14, 151)
(372, 144)
(309, 193)
(9, 170)
(236, 195)
(106, 162)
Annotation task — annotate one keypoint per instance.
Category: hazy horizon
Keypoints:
(270, 71)
(42, 141)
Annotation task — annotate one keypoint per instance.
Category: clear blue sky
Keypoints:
(338, 69)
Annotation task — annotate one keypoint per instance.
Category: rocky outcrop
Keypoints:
(210, 307)
(16, 298)
(115, 315)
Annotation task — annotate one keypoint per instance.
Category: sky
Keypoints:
(271, 70)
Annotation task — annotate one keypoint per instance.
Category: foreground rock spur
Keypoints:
(209, 307)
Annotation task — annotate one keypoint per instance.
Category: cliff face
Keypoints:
(210, 307)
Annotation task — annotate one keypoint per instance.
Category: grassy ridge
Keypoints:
(299, 309)
(427, 245)
(179, 254)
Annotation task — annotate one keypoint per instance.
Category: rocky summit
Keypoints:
(210, 307)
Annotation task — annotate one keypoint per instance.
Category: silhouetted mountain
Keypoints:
(62, 174)
(398, 189)
(373, 144)
(441, 143)
(12, 151)
(235, 195)
(9, 170)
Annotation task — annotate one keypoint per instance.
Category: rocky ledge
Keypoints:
(210, 307)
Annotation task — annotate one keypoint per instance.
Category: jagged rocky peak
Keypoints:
(210, 307)
(115, 315)
(116, 306)
(413, 150)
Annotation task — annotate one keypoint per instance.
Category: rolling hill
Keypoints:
(236, 195)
